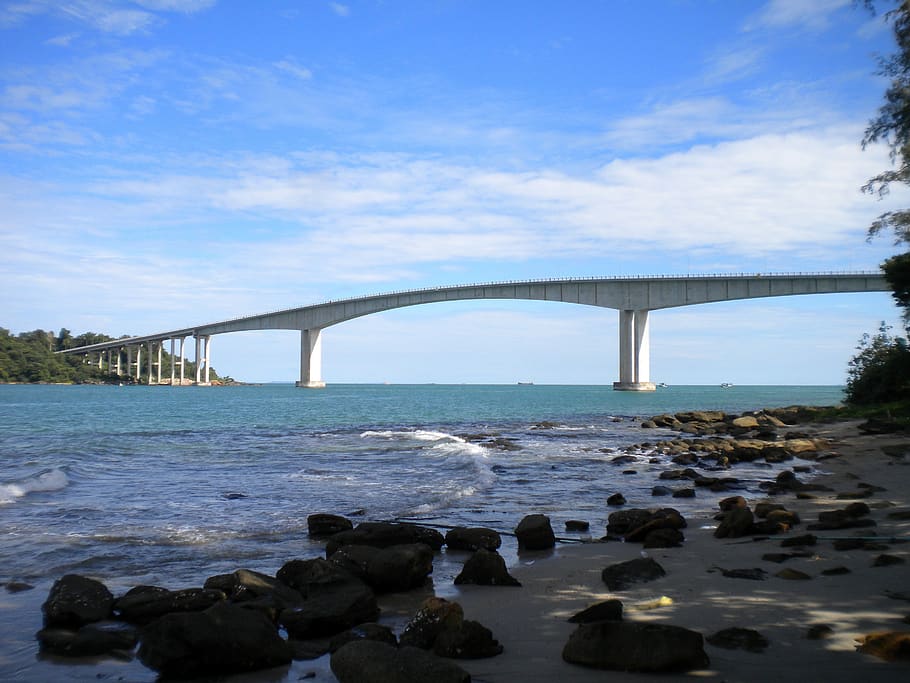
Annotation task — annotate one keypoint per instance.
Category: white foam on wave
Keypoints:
(446, 446)
(48, 480)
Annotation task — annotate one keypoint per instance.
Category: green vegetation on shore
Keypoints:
(880, 371)
(30, 358)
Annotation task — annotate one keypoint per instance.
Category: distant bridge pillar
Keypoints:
(203, 357)
(634, 352)
(311, 359)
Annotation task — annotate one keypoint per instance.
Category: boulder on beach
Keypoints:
(76, 600)
(387, 570)
(486, 568)
(473, 538)
(633, 646)
(385, 534)
(97, 638)
(365, 661)
(434, 616)
(322, 524)
(887, 645)
(225, 639)
(623, 574)
(309, 577)
(143, 604)
(534, 532)
(607, 610)
(738, 638)
(735, 523)
(370, 631)
(330, 611)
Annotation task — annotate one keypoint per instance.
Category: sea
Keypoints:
(166, 486)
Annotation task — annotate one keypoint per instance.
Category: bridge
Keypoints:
(633, 297)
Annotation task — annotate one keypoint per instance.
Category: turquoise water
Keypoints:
(170, 485)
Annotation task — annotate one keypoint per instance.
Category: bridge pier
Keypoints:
(311, 359)
(634, 352)
(203, 358)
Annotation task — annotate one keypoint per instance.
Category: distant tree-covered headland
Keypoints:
(30, 358)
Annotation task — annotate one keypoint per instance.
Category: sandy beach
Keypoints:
(531, 621)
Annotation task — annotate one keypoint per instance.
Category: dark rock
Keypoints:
(224, 639)
(91, 640)
(608, 610)
(322, 524)
(885, 560)
(835, 571)
(330, 611)
(245, 585)
(577, 525)
(728, 504)
(637, 526)
(377, 632)
(684, 493)
(535, 533)
(75, 600)
(737, 638)
(486, 568)
(807, 539)
(383, 535)
(147, 603)
(387, 570)
(664, 538)
(736, 522)
(365, 661)
(473, 538)
(755, 574)
(434, 616)
(17, 586)
(616, 499)
(631, 646)
(792, 575)
(623, 574)
(762, 509)
(819, 631)
(661, 491)
(309, 577)
(470, 641)
(887, 645)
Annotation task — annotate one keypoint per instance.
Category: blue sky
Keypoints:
(165, 163)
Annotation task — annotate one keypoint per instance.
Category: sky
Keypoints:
(169, 163)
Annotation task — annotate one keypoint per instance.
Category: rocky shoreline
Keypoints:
(249, 621)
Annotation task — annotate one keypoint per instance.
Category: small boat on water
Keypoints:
(662, 385)
(526, 383)
(726, 385)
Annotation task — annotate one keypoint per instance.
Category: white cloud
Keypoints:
(291, 67)
(340, 9)
(813, 14)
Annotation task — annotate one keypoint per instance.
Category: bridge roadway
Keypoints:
(633, 297)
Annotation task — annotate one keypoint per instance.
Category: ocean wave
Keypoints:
(46, 480)
(440, 442)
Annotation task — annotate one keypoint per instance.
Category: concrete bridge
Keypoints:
(633, 297)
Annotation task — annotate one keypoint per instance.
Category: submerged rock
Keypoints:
(737, 638)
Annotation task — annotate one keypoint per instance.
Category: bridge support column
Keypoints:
(311, 359)
(203, 355)
(634, 352)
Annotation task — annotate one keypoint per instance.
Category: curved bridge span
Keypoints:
(633, 297)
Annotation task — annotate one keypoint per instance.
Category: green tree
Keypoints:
(880, 371)
(891, 126)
